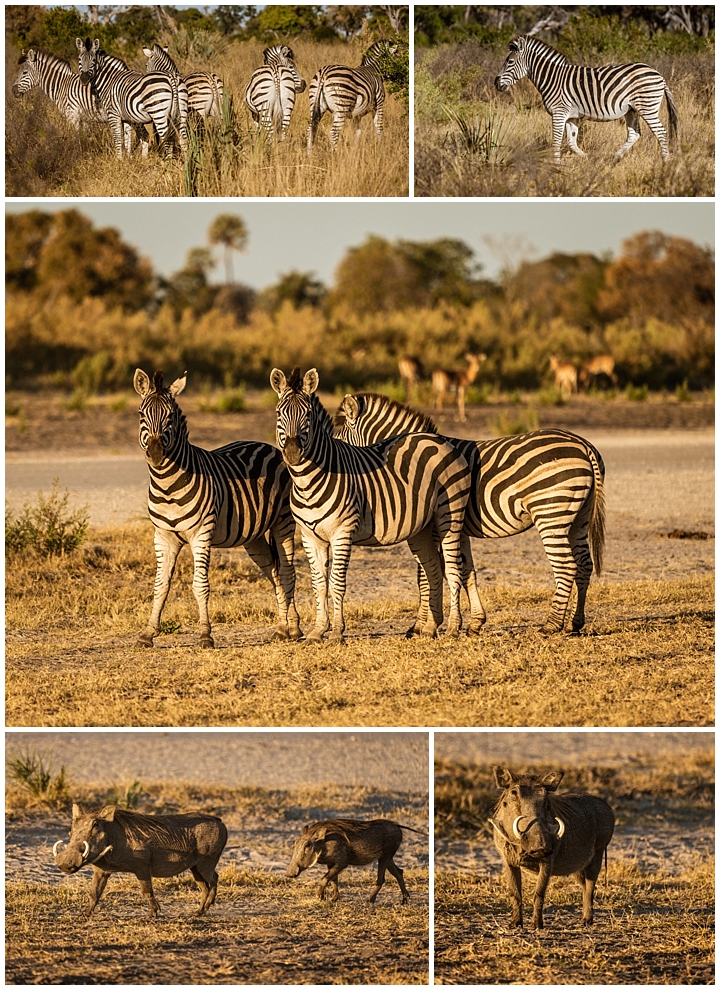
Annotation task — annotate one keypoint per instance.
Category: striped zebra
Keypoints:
(571, 92)
(270, 94)
(205, 89)
(412, 488)
(549, 479)
(75, 100)
(350, 92)
(234, 496)
(133, 98)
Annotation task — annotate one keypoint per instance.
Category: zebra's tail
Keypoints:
(277, 107)
(596, 528)
(316, 88)
(672, 116)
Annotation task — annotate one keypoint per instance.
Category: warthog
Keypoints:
(342, 842)
(112, 840)
(536, 830)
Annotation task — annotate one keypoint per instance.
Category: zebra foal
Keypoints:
(75, 100)
(549, 479)
(235, 496)
(571, 92)
(205, 89)
(270, 94)
(350, 92)
(412, 488)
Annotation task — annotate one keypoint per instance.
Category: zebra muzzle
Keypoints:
(292, 451)
(155, 451)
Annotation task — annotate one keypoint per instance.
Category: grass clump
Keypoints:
(637, 393)
(507, 424)
(47, 529)
(34, 774)
(230, 401)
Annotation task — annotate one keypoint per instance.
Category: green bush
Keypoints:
(683, 393)
(47, 529)
(33, 771)
(636, 393)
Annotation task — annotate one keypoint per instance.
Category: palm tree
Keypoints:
(230, 231)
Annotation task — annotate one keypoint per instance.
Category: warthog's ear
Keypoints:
(319, 835)
(551, 780)
(351, 407)
(504, 777)
(77, 811)
(107, 813)
(141, 382)
(278, 381)
(310, 381)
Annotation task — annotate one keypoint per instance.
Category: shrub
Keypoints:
(636, 393)
(508, 425)
(33, 771)
(683, 393)
(47, 529)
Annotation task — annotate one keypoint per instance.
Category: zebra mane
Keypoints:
(558, 56)
(158, 380)
(420, 424)
(295, 380)
(47, 56)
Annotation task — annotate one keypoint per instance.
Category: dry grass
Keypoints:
(72, 623)
(515, 159)
(235, 162)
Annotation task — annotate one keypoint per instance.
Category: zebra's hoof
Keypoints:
(337, 638)
(452, 634)
(550, 629)
(144, 641)
(280, 636)
(207, 643)
(475, 629)
(295, 634)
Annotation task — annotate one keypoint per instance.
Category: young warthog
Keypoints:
(115, 841)
(538, 831)
(342, 842)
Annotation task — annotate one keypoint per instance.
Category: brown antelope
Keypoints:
(443, 381)
(411, 372)
(565, 376)
(603, 364)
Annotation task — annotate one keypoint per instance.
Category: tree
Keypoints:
(297, 288)
(188, 288)
(230, 231)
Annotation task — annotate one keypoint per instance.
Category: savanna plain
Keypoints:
(654, 912)
(644, 658)
(263, 927)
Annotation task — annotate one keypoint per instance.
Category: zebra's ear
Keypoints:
(141, 382)
(147, 52)
(504, 777)
(351, 407)
(551, 780)
(79, 44)
(516, 44)
(95, 45)
(178, 385)
(311, 381)
(278, 381)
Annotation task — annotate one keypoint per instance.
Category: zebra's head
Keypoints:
(277, 55)
(378, 50)
(161, 422)
(89, 58)
(515, 66)
(28, 74)
(158, 60)
(296, 418)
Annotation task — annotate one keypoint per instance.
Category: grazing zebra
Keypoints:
(270, 94)
(133, 98)
(75, 100)
(205, 89)
(412, 488)
(571, 92)
(234, 496)
(551, 479)
(348, 92)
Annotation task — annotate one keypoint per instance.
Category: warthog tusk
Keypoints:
(55, 847)
(561, 827)
(106, 850)
(86, 853)
(516, 830)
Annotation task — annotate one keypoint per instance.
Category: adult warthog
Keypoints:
(536, 830)
(341, 842)
(112, 840)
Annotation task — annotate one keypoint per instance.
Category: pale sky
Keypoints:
(314, 236)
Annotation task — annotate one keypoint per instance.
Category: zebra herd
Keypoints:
(385, 478)
(105, 89)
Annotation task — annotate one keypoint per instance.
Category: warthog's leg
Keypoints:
(540, 891)
(398, 874)
(331, 878)
(513, 881)
(145, 881)
(99, 882)
(167, 547)
(208, 887)
(317, 553)
(588, 878)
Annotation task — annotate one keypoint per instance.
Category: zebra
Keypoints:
(134, 98)
(412, 488)
(571, 92)
(205, 89)
(236, 495)
(75, 100)
(350, 92)
(551, 479)
(270, 94)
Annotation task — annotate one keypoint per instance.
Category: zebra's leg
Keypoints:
(200, 546)
(341, 547)
(117, 128)
(317, 553)
(284, 536)
(337, 126)
(559, 552)
(424, 550)
(167, 547)
(581, 552)
(659, 131)
(571, 130)
(451, 541)
(559, 119)
(261, 552)
(469, 580)
(632, 119)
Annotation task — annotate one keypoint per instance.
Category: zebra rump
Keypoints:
(205, 89)
(270, 94)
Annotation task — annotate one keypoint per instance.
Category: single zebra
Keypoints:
(205, 89)
(350, 92)
(270, 94)
(75, 100)
(571, 92)
(133, 98)
(550, 479)
(235, 496)
(404, 489)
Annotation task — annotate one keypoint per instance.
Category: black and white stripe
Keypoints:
(571, 92)
(133, 98)
(550, 479)
(234, 496)
(403, 489)
(350, 92)
(75, 100)
(270, 94)
(205, 89)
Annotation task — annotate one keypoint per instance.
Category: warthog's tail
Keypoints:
(605, 867)
(596, 528)
(672, 116)
(409, 829)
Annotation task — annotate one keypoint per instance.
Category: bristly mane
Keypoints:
(158, 380)
(39, 50)
(544, 44)
(295, 381)
(423, 423)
